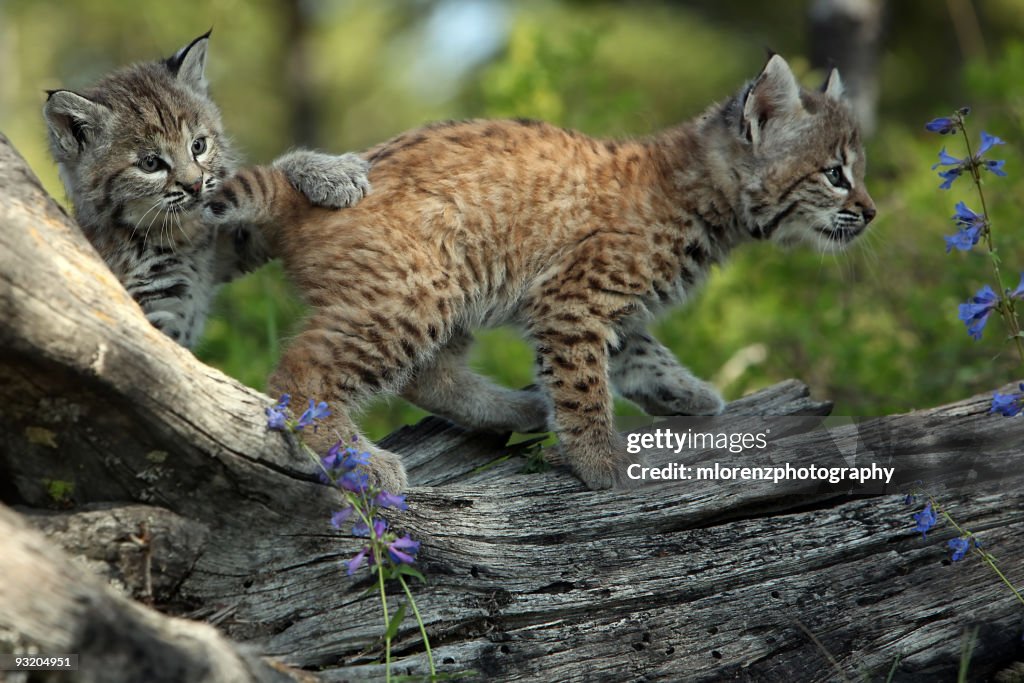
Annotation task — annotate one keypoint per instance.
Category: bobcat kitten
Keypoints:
(138, 153)
(581, 241)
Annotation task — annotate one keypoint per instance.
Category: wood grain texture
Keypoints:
(531, 577)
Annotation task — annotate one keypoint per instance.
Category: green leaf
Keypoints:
(394, 623)
(409, 570)
(535, 461)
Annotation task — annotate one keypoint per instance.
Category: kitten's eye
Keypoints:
(198, 146)
(835, 176)
(150, 163)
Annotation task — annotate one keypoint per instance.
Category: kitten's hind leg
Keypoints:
(347, 354)
(304, 375)
(646, 373)
(445, 386)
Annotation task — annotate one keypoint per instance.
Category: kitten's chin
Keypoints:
(168, 228)
(825, 240)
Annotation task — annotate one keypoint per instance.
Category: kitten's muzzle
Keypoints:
(847, 225)
(193, 187)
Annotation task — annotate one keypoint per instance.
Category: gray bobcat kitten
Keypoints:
(139, 153)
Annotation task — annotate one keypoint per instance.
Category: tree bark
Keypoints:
(158, 474)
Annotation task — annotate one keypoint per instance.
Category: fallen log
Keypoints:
(158, 474)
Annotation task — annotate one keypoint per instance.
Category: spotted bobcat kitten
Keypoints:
(138, 153)
(580, 241)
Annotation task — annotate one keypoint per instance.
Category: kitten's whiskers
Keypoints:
(142, 218)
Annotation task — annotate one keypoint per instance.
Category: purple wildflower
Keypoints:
(987, 143)
(333, 459)
(971, 227)
(994, 166)
(925, 520)
(1019, 292)
(277, 418)
(958, 166)
(959, 546)
(975, 312)
(397, 550)
(358, 561)
(1008, 405)
(354, 481)
(391, 500)
(342, 516)
(316, 411)
(342, 459)
(963, 240)
(943, 125)
(946, 159)
(379, 527)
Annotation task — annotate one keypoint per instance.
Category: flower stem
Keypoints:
(423, 628)
(1007, 309)
(375, 544)
(384, 604)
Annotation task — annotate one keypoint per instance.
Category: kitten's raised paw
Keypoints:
(332, 181)
(223, 207)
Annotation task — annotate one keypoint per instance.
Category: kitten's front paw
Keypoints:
(608, 470)
(332, 181)
(386, 471)
(216, 211)
(223, 207)
(689, 396)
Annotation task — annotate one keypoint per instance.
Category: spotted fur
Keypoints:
(139, 153)
(580, 241)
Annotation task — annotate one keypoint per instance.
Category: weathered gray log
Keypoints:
(182, 498)
(49, 604)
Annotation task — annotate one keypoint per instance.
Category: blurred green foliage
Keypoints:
(874, 329)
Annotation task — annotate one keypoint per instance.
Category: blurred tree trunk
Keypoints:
(298, 84)
(847, 34)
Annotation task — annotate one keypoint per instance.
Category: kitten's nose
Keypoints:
(194, 187)
(868, 213)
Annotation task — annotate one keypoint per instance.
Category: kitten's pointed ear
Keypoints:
(73, 122)
(189, 63)
(833, 86)
(774, 93)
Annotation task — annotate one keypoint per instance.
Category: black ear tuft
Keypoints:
(175, 61)
(833, 85)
